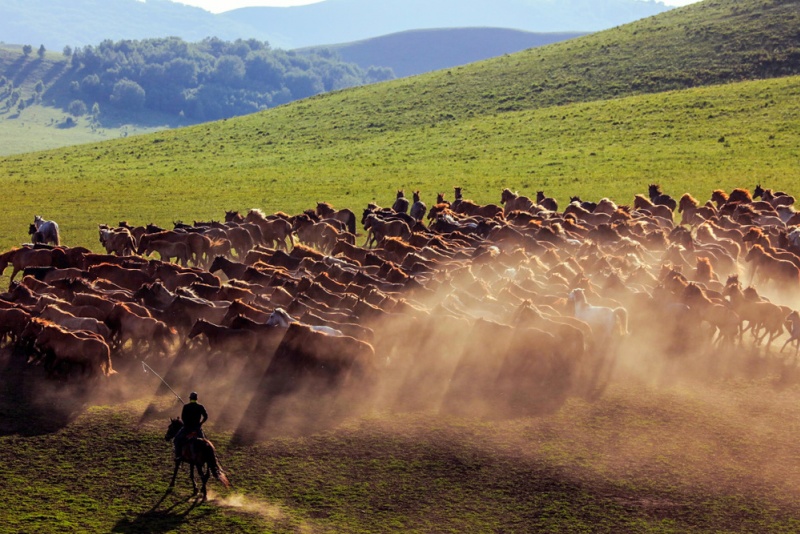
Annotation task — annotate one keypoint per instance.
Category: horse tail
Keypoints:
(351, 222)
(622, 320)
(216, 468)
(56, 235)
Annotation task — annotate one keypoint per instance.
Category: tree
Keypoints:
(77, 108)
(229, 70)
(128, 94)
(67, 51)
(41, 51)
(26, 50)
(38, 91)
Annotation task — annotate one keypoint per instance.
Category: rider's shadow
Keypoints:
(156, 519)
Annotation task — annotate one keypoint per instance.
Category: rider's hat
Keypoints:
(193, 395)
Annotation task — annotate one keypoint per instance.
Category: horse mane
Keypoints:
(740, 195)
(257, 212)
(686, 197)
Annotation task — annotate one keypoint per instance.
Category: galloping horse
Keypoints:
(326, 211)
(605, 322)
(281, 318)
(43, 231)
(197, 452)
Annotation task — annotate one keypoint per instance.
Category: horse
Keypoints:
(45, 231)
(326, 211)
(224, 339)
(274, 229)
(418, 208)
(199, 453)
(546, 202)
(378, 229)
(605, 322)
(660, 199)
(793, 325)
(401, 202)
(117, 241)
(281, 318)
(78, 349)
(692, 212)
(782, 273)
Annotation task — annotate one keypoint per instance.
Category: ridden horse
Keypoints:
(44, 231)
(199, 453)
(281, 318)
(605, 322)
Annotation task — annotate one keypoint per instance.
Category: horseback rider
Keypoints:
(193, 415)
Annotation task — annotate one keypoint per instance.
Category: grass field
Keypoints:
(688, 455)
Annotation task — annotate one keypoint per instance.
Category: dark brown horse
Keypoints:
(198, 453)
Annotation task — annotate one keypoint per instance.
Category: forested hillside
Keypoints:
(209, 80)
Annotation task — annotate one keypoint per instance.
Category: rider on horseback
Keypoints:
(193, 416)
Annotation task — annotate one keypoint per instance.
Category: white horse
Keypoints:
(794, 330)
(281, 318)
(43, 231)
(604, 321)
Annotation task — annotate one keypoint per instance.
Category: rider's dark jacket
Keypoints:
(193, 415)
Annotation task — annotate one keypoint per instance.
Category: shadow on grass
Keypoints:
(30, 404)
(158, 519)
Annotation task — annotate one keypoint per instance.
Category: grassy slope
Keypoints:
(290, 158)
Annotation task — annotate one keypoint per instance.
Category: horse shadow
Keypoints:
(178, 514)
(30, 405)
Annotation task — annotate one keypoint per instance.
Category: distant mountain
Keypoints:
(340, 21)
(56, 23)
(417, 51)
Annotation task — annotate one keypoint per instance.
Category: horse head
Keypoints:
(174, 425)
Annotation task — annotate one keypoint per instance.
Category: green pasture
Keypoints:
(685, 458)
(734, 135)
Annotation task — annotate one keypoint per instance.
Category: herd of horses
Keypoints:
(572, 284)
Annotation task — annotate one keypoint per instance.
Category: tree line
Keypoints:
(208, 80)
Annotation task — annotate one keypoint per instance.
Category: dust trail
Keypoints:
(264, 509)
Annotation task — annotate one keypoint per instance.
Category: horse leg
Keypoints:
(204, 474)
(191, 477)
(174, 473)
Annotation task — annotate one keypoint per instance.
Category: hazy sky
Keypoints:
(218, 6)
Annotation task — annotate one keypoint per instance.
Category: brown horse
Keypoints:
(198, 453)
(379, 229)
(274, 229)
(692, 212)
(782, 273)
(326, 211)
(23, 257)
(760, 315)
(71, 350)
